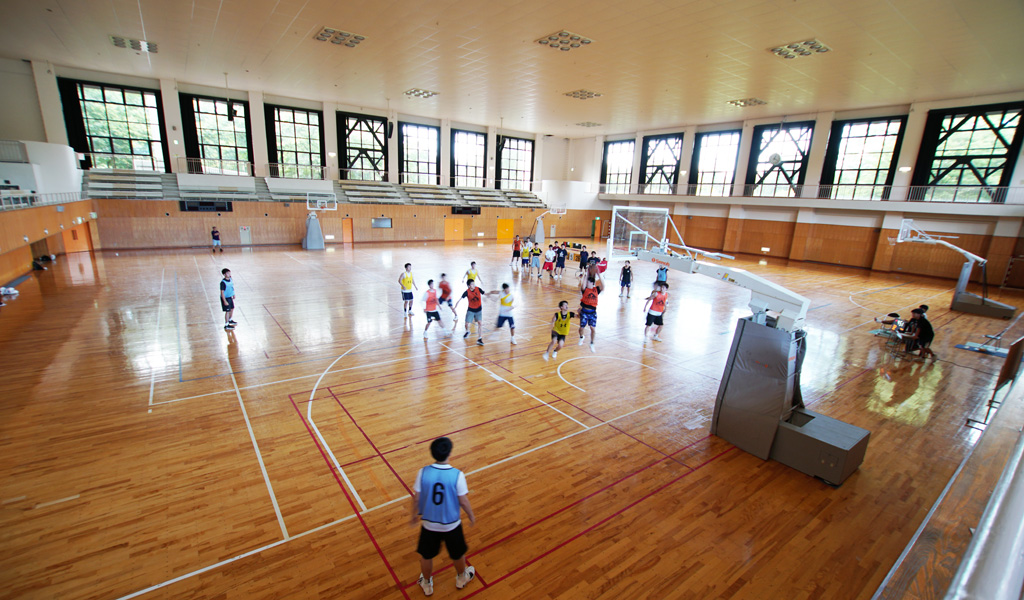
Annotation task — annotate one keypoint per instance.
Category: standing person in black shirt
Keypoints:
(921, 335)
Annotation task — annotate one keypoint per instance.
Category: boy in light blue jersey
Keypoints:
(439, 494)
(227, 299)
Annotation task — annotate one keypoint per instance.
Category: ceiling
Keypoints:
(657, 63)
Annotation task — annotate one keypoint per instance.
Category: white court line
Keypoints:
(899, 308)
(259, 458)
(499, 378)
(205, 293)
(564, 362)
(52, 502)
(159, 304)
(10, 500)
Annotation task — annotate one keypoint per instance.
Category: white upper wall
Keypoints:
(20, 118)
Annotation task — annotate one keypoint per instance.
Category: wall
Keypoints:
(14, 264)
(20, 117)
(37, 224)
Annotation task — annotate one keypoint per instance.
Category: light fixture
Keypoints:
(904, 169)
(745, 102)
(339, 37)
(332, 154)
(797, 49)
(588, 124)
(419, 93)
(583, 94)
(128, 43)
(564, 41)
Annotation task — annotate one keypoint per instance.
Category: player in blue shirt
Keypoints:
(440, 492)
(227, 298)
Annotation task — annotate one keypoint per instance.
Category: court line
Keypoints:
(564, 362)
(372, 445)
(282, 329)
(156, 343)
(259, 458)
(205, 293)
(177, 326)
(899, 308)
(499, 378)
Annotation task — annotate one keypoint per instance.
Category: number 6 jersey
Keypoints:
(439, 487)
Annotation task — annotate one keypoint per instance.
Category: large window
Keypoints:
(778, 159)
(860, 160)
(120, 127)
(216, 133)
(297, 144)
(421, 153)
(969, 151)
(515, 163)
(469, 158)
(713, 167)
(660, 163)
(617, 169)
(363, 143)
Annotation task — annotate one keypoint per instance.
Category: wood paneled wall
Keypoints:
(14, 264)
(38, 223)
(840, 245)
(706, 233)
(755, 235)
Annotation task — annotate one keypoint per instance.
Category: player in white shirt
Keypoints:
(506, 302)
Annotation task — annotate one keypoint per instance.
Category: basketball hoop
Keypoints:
(892, 240)
(557, 211)
(321, 201)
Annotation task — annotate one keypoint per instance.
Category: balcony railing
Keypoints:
(288, 171)
(12, 151)
(924, 193)
(14, 199)
(363, 175)
(124, 162)
(214, 166)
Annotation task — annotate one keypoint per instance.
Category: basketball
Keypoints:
(592, 271)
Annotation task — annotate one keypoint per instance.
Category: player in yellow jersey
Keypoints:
(407, 283)
(559, 329)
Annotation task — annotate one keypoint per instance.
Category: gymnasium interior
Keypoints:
(803, 174)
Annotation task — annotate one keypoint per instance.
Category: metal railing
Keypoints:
(214, 166)
(356, 175)
(15, 199)
(124, 162)
(918, 193)
(287, 171)
(13, 151)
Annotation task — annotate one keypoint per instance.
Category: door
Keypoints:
(552, 234)
(453, 230)
(346, 231)
(77, 239)
(244, 235)
(506, 229)
(595, 229)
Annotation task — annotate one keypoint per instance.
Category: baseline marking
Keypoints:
(564, 362)
(159, 304)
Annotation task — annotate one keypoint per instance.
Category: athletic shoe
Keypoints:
(233, 322)
(455, 319)
(466, 577)
(554, 354)
(229, 327)
(544, 356)
(621, 295)
(479, 341)
(656, 338)
(513, 341)
(581, 341)
(465, 335)
(427, 585)
(592, 348)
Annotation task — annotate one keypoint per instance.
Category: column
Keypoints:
(444, 175)
(638, 152)
(913, 133)
(743, 159)
(49, 103)
(816, 156)
(331, 140)
(258, 122)
(172, 125)
(685, 158)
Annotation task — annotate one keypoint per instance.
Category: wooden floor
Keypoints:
(145, 452)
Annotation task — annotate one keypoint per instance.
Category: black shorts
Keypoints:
(558, 337)
(655, 319)
(515, 254)
(560, 263)
(227, 304)
(433, 315)
(430, 543)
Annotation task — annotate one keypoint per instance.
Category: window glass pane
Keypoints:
(618, 160)
(298, 142)
(866, 150)
(420, 154)
(115, 123)
(661, 163)
(781, 155)
(468, 162)
(515, 169)
(716, 162)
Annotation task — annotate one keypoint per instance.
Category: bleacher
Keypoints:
(368, 192)
(432, 194)
(524, 199)
(296, 190)
(113, 183)
(216, 187)
(483, 197)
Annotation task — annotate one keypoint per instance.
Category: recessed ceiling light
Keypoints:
(339, 37)
(744, 102)
(588, 124)
(564, 40)
(419, 93)
(121, 41)
(804, 48)
(583, 94)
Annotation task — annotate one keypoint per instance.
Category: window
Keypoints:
(778, 159)
(216, 132)
(617, 170)
(660, 163)
(469, 158)
(515, 163)
(363, 143)
(969, 151)
(120, 127)
(421, 153)
(860, 160)
(297, 146)
(713, 167)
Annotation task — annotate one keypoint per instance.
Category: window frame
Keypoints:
(500, 178)
(452, 165)
(402, 173)
(645, 162)
(604, 166)
(930, 142)
(190, 129)
(694, 176)
(835, 139)
(755, 151)
(272, 149)
(343, 163)
(74, 118)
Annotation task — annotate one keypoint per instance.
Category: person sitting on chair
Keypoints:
(920, 334)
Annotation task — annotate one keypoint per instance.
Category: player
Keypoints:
(584, 260)
(446, 297)
(472, 273)
(590, 287)
(216, 241)
(527, 247)
(430, 302)
(475, 311)
(506, 302)
(517, 247)
(535, 259)
(561, 253)
(549, 263)
(438, 495)
(625, 280)
(658, 300)
(407, 283)
(662, 276)
(227, 299)
(559, 329)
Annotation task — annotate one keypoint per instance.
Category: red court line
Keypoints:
(372, 445)
(599, 523)
(282, 328)
(587, 497)
(355, 510)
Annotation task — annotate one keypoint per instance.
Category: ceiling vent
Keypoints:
(133, 44)
(583, 94)
(745, 102)
(418, 93)
(564, 40)
(588, 124)
(339, 37)
(799, 49)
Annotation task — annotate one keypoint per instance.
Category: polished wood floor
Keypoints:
(145, 452)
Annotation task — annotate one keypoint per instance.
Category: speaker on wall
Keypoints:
(390, 129)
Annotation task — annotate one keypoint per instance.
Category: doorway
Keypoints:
(506, 229)
(453, 230)
(77, 239)
(346, 231)
(244, 235)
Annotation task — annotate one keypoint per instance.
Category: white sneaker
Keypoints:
(427, 585)
(581, 342)
(592, 349)
(544, 356)
(554, 354)
(513, 341)
(656, 338)
(468, 575)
